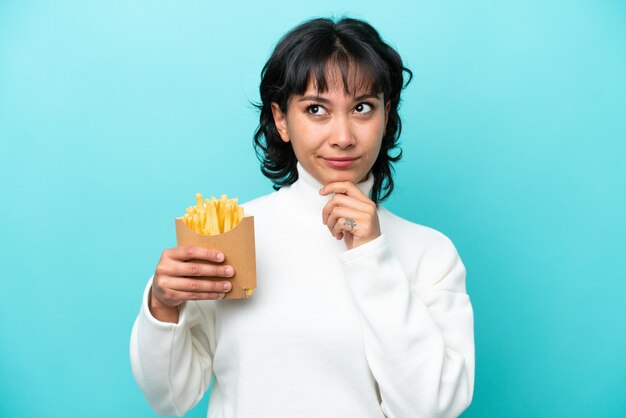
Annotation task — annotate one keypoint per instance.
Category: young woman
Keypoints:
(358, 312)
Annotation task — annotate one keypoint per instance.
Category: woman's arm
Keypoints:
(172, 363)
(418, 331)
(173, 341)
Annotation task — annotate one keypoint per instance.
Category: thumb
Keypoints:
(348, 239)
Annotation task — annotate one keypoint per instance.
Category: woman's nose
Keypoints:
(342, 135)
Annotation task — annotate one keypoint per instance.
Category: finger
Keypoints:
(345, 220)
(347, 226)
(332, 221)
(341, 224)
(176, 297)
(337, 233)
(333, 226)
(344, 187)
(190, 269)
(190, 252)
(195, 285)
(340, 200)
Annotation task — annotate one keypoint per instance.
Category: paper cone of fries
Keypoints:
(202, 226)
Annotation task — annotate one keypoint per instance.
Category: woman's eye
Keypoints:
(316, 110)
(363, 108)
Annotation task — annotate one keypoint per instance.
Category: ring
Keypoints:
(349, 222)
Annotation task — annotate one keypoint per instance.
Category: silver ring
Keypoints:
(349, 222)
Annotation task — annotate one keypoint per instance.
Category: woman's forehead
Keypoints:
(353, 81)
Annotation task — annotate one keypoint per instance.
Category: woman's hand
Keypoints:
(350, 214)
(180, 277)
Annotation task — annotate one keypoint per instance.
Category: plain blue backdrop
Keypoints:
(113, 114)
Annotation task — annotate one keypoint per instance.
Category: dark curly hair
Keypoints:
(303, 54)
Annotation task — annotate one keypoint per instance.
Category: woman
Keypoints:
(358, 312)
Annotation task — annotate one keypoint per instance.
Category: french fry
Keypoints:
(239, 214)
(222, 211)
(213, 216)
(227, 218)
(213, 220)
(232, 212)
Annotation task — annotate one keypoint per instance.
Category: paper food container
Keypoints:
(237, 245)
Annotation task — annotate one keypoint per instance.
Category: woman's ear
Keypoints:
(387, 107)
(280, 121)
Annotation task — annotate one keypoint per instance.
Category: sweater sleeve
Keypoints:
(418, 330)
(172, 363)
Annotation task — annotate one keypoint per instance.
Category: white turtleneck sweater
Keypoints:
(384, 329)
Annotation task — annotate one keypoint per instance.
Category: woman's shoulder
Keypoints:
(258, 204)
(426, 252)
(395, 225)
(421, 238)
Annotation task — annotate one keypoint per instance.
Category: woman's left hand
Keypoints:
(350, 214)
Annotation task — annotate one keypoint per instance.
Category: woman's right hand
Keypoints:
(178, 277)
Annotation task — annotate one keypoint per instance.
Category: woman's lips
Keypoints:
(340, 162)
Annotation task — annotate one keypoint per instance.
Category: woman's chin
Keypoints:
(340, 177)
(327, 175)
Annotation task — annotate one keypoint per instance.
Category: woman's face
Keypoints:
(335, 136)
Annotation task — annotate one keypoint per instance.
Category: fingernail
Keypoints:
(220, 257)
(229, 271)
(222, 295)
(226, 286)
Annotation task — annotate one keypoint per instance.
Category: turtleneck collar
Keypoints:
(305, 194)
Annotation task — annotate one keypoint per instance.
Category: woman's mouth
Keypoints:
(340, 162)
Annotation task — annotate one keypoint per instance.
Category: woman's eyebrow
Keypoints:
(314, 98)
(366, 96)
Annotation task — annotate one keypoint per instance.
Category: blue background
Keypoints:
(113, 114)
